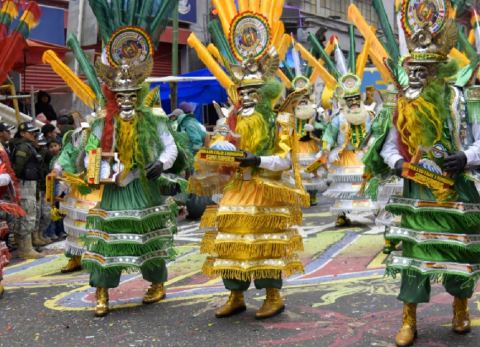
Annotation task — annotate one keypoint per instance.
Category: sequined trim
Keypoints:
(246, 265)
(459, 207)
(125, 260)
(254, 210)
(431, 237)
(74, 213)
(72, 229)
(395, 260)
(251, 238)
(137, 214)
(165, 233)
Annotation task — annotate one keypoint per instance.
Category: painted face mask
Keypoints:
(417, 79)
(305, 109)
(126, 102)
(249, 98)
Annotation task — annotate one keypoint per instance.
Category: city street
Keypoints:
(341, 300)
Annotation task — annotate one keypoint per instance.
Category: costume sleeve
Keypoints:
(390, 152)
(275, 162)
(170, 151)
(331, 132)
(473, 152)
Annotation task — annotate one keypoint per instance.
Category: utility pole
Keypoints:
(173, 85)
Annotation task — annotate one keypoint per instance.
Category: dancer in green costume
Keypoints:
(440, 207)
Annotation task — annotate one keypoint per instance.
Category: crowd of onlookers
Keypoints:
(32, 151)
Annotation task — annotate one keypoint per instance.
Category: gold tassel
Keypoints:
(257, 250)
(251, 274)
(209, 217)
(252, 223)
(207, 246)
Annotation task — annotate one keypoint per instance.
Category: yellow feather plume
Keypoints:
(80, 88)
(209, 62)
(284, 79)
(377, 52)
(460, 57)
(362, 59)
(329, 80)
(151, 97)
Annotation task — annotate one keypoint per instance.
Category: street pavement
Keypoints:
(343, 299)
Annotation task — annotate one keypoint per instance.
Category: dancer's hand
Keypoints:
(249, 160)
(154, 170)
(399, 167)
(455, 163)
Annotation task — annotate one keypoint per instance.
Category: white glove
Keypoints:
(118, 167)
(105, 170)
(5, 179)
(309, 127)
(333, 157)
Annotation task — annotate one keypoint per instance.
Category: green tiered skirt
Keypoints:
(441, 242)
(131, 229)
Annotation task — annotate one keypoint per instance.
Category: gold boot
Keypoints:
(2, 290)
(101, 309)
(272, 305)
(461, 317)
(408, 332)
(74, 264)
(235, 304)
(155, 293)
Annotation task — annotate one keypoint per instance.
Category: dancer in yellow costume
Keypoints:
(251, 234)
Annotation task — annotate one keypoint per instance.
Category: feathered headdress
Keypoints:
(249, 41)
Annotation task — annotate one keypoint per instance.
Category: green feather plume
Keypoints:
(391, 44)
(220, 41)
(328, 62)
(160, 20)
(101, 10)
(352, 53)
(86, 67)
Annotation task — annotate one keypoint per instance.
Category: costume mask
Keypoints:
(417, 79)
(126, 102)
(305, 109)
(249, 99)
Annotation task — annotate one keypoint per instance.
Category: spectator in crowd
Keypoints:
(26, 162)
(5, 134)
(43, 106)
(187, 123)
(43, 210)
(55, 229)
(50, 132)
(65, 123)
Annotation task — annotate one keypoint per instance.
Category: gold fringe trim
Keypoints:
(207, 246)
(278, 192)
(264, 221)
(265, 249)
(260, 222)
(207, 186)
(209, 217)
(258, 272)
